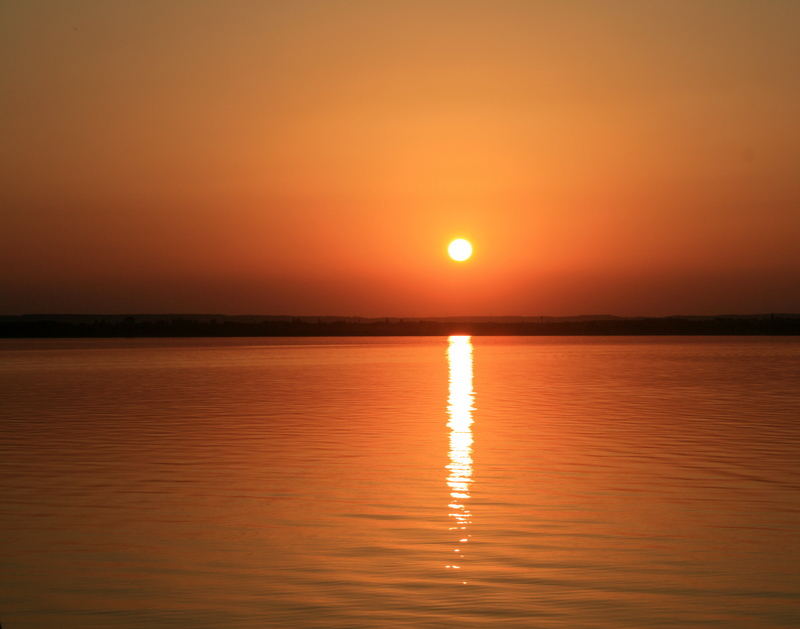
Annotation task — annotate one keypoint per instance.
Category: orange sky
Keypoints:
(316, 157)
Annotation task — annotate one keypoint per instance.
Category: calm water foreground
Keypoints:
(417, 482)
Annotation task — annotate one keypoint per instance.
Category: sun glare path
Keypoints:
(460, 250)
(459, 411)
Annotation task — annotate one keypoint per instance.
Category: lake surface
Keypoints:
(400, 482)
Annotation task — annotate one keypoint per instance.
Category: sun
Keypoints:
(460, 250)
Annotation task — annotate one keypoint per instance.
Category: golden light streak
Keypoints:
(459, 410)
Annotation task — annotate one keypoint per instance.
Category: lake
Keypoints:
(565, 482)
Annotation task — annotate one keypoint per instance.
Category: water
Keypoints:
(421, 482)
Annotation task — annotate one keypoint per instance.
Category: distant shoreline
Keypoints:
(161, 326)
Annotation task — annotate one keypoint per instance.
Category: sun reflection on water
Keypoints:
(459, 410)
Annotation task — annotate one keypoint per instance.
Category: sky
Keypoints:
(316, 157)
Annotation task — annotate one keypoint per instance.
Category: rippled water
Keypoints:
(423, 482)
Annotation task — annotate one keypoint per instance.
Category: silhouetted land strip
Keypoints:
(110, 326)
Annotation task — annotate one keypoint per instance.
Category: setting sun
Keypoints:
(460, 250)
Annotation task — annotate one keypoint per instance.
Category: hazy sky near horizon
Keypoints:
(315, 157)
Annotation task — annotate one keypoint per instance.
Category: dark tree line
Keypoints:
(188, 326)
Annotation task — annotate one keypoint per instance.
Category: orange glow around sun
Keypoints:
(460, 250)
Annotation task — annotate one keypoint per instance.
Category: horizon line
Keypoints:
(398, 317)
